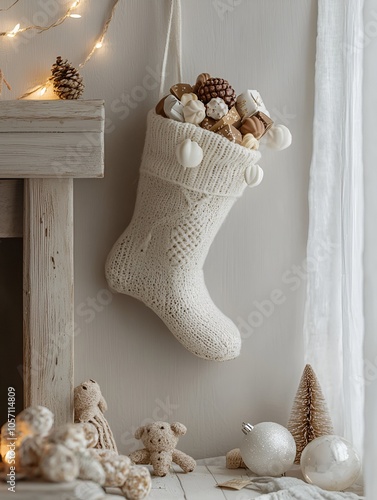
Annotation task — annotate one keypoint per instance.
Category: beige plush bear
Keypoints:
(160, 440)
(90, 406)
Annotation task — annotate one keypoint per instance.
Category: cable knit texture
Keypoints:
(159, 257)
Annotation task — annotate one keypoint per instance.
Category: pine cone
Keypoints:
(67, 81)
(217, 87)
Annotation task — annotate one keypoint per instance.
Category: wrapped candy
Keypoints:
(216, 108)
(250, 142)
(173, 108)
(231, 133)
(203, 77)
(181, 88)
(194, 112)
(188, 97)
(258, 124)
(231, 118)
(250, 102)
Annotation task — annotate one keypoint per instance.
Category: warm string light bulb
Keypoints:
(14, 31)
(42, 88)
(17, 29)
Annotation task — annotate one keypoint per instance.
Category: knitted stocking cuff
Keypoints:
(221, 171)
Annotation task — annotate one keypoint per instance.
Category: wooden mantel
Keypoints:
(44, 145)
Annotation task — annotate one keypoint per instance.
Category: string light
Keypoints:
(10, 6)
(14, 31)
(3, 80)
(42, 29)
(42, 88)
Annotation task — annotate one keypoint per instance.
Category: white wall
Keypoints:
(264, 44)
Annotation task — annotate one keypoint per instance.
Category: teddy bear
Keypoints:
(90, 406)
(160, 440)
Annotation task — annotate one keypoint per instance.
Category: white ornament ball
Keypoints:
(331, 463)
(268, 449)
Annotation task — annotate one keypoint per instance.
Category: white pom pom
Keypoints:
(278, 137)
(189, 153)
(253, 175)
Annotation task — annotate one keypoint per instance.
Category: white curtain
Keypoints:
(369, 42)
(333, 325)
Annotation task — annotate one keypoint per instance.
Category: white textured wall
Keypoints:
(144, 372)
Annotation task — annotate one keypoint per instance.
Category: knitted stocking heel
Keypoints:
(159, 257)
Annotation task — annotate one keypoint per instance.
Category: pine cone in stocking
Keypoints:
(217, 87)
(67, 81)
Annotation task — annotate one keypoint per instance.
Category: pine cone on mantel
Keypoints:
(66, 80)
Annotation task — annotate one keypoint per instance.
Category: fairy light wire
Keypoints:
(3, 80)
(98, 44)
(41, 29)
(101, 38)
(10, 6)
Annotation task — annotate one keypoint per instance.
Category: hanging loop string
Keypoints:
(174, 32)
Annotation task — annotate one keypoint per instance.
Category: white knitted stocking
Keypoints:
(159, 257)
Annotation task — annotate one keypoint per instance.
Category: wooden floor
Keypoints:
(198, 485)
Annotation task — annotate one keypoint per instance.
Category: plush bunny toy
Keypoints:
(160, 440)
(90, 406)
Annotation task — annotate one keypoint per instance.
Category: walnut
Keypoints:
(138, 483)
(59, 464)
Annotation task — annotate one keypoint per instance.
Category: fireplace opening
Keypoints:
(11, 313)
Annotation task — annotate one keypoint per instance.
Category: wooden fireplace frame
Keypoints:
(44, 145)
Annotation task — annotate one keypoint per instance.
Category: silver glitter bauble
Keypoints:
(268, 449)
(331, 463)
